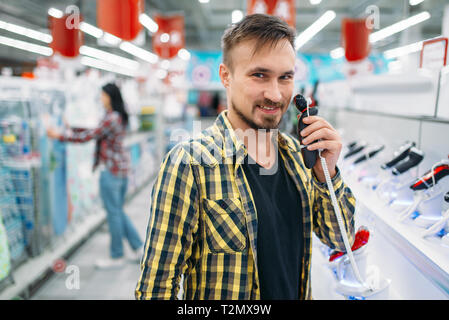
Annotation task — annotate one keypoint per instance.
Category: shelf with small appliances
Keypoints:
(405, 208)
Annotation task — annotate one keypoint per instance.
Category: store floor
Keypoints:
(95, 284)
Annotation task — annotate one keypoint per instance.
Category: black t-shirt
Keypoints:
(279, 230)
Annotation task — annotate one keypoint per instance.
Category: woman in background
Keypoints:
(113, 161)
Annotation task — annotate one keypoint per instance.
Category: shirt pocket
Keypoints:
(225, 225)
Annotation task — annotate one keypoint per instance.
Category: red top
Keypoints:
(111, 132)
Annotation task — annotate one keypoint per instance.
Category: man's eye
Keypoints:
(287, 77)
(258, 75)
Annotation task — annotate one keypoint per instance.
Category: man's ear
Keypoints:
(225, 75)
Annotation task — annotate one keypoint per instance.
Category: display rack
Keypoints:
(419, 267)
(27, 202)
(430, 258)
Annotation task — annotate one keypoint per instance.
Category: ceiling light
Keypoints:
(313, 29)
(404, 50)
(139, 52)
(237, 15)
(203, 1)
(18, 44)
(165, 37)
(55, 13)
(99, 64)
(415, 2)
(109, 57)
(337, 53)
(91, 30)
(399, 26)
(30, 33)
(111, 39)
(148, 23)
(315, 2)
(184, 54)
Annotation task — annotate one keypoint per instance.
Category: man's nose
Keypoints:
(272, 92)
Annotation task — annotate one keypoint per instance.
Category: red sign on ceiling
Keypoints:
(120, 17)
(169, 38)
(67, 37)
(284, 9)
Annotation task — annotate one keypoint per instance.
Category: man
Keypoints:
(233, 211)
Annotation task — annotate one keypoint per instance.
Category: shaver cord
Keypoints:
(341, 224)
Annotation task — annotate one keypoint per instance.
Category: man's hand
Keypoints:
(52, 133)
(320, 129)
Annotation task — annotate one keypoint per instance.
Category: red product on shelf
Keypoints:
(361, 239)
(355, 39)
(67, 37)
(120, 17)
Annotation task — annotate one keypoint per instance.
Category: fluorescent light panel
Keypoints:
(30, 33)
(148, 23)
(109, 57)
(404, 50)
(56, 13)
(313, 29)
(18, 44)
(99, 64)
(91, 30)
(138, 52)
(399, 26)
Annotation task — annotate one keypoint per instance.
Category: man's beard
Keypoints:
(269, 123)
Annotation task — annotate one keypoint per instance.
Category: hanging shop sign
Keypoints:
(67, 36)
(356, 39)
(120, 17)
(284, 9)
(169, 38)
(434, 53)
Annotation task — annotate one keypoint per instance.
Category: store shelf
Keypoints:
(430, 258)
(34, 268)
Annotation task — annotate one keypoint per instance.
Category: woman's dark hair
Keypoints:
(117, 103)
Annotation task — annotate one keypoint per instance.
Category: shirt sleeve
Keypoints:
(325, 224)
(171, 230)
(106, 126)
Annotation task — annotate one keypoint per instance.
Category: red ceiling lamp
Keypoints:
(120, 17)
(67, 37)
(284, 9)
(356, 39)
(169, 38)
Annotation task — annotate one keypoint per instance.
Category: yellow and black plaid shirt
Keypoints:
(203, 221)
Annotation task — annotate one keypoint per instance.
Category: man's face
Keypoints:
(260, 86)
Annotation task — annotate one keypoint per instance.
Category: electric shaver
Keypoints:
(414, 157)
(426, 181)
(400, 155)
(308, 156)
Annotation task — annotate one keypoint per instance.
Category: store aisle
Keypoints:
(95, 284)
